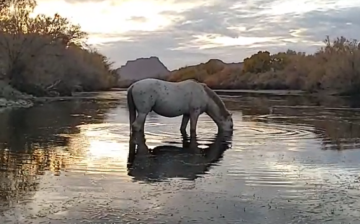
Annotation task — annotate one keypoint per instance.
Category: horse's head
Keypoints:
(226, 123)
(217, 111)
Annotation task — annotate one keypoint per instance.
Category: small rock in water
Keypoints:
(13, 103)
(3, 102)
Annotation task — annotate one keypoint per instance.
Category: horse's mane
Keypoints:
(193, 79)
(216, 99)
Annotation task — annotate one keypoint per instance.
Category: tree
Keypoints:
(280, 60)
(45, 53)
(257, 63)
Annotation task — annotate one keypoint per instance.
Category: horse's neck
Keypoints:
(213, 111)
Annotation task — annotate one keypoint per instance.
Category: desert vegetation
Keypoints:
(47, 55)
(334, 68)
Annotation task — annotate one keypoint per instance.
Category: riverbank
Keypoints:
(10, 97)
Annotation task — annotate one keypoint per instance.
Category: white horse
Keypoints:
(187, 98)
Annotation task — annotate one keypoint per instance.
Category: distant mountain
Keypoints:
(215, 65)
(238, 65)
(142, 68)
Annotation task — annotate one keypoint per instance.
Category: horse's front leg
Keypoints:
(184, 123)
(194, 116)
(139, 123)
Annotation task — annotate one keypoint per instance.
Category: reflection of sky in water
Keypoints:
(104, 151)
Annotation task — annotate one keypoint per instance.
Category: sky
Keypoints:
(188, 32)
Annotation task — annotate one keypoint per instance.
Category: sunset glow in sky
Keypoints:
(193, 31)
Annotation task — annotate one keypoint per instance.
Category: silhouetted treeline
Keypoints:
(334, 68)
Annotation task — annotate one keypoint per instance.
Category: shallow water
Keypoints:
(66, 162)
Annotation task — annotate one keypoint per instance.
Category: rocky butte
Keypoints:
(141, 68)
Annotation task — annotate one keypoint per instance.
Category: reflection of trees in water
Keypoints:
(189, 161)
(257, 105)
(17, 178)
(41, 124)
(338, 129)
(20, 173)
(33, 141)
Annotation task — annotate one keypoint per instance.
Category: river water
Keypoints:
(66, 162)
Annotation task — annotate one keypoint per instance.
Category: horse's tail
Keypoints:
(131, 106)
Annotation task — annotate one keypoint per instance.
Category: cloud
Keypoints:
(188, 32)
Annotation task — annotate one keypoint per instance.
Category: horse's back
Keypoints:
(168, 98)
(142, 83)
(166, 87)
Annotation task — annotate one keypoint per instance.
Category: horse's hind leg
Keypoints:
(194, 116)
(184, 123)
(132, 117)
(139, 123)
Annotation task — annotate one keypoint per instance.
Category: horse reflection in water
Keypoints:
(168, 161)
